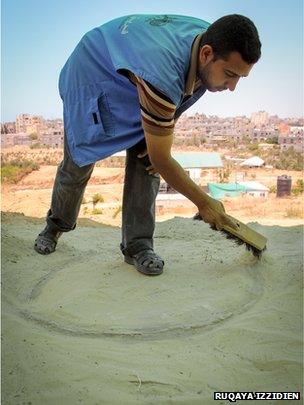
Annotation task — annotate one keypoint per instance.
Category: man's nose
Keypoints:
(232, 83)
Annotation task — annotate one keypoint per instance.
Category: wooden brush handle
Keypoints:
(244, 233)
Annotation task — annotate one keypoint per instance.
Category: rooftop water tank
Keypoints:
(283, 185)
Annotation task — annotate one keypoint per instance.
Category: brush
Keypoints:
(254, 241)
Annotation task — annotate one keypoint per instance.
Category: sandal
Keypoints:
(146, 262)
(46, 243)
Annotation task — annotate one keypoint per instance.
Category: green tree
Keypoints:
(273, 140)
(299, 187)
(33, 136)
(253, 147)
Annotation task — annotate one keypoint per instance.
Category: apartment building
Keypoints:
(26, 123)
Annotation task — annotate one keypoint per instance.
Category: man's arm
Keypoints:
(158, 112)
(159, 151)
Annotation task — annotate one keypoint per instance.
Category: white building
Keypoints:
(255, 188)
(259, 118)
(254, 161)
(30, 124)
(193, 163)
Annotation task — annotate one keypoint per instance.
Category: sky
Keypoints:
(37, 37)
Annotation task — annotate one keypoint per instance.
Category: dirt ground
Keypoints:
(81, 325)
(32, 196)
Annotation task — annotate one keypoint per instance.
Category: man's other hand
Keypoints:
(142, 154)
(151, 168)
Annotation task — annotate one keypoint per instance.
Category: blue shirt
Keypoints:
(100, 105)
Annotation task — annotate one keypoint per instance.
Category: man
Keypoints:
(123, 87)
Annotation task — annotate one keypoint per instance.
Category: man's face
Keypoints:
(220, 74)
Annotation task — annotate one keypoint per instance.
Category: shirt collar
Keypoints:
(191, 77)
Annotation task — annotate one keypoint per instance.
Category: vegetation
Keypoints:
(288, 159)
(299, 187)
(96, 199)
(293, 212)
(253, 147)
(285, 160)
(36, 145)
(33, 136)
(223, 175)
(15, 170)
(96, 211)
(118, 210)
(273, 140)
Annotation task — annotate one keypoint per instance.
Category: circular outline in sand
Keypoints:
(149, 333)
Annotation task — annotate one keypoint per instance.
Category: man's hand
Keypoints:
(151, 168)
(213, 212)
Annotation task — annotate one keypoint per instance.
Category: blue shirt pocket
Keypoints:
(89, 119)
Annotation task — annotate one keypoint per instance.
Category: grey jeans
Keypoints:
(138, 206)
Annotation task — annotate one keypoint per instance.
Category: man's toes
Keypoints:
(44, 247)
(153, 263)
(41, 249)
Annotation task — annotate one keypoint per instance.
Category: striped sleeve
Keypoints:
(157, 110)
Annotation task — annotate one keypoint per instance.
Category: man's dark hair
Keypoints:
(233, 33)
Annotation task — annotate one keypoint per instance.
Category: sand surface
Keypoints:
(81, 326)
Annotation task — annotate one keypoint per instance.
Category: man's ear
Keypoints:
(205, 54)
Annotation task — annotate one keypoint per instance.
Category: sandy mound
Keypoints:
(82, 326)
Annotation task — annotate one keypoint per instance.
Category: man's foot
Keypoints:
(46, 241)
(146, 262)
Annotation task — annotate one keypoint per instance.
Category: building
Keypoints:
(262, 134)
(8, 128)
(21, 139)
(7, 140)
(30, 124)
(53, 138)
(259, 118)
(254, 161)
(193, 163)
(294, 139)
(253, 188)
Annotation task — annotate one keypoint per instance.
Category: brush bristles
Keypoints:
(256, 252)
